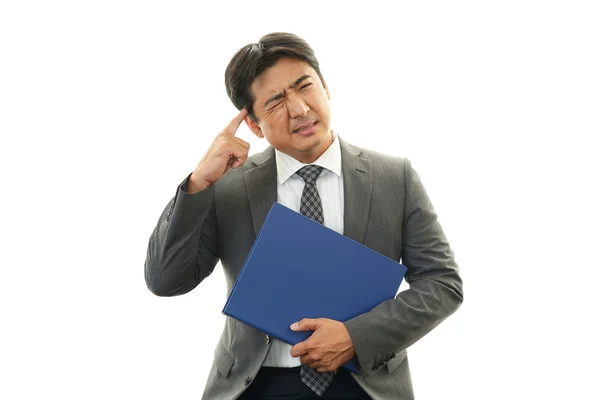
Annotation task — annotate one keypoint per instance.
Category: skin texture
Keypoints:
(227, 151)
(299, 103)
(328, 348)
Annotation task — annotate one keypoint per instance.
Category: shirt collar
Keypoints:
(331, 159)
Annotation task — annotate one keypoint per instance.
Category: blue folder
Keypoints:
(298, 268)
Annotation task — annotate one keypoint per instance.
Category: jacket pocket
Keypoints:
(223, 360)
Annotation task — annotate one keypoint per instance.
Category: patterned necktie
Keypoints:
(310, 206)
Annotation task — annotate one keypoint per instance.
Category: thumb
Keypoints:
(306, 324)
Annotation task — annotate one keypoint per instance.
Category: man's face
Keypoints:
(289, 96)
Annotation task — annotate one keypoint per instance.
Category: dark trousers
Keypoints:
(285, 383)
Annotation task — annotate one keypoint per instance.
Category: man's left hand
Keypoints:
(328, 348)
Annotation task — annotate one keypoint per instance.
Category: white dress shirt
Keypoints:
(289, 192)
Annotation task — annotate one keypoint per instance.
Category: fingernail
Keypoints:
(294, 326)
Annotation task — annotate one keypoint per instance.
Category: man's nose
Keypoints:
(297, 107)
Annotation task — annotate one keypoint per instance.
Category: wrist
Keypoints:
(197, 184)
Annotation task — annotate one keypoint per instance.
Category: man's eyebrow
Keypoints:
(281, 94)
(299, 80)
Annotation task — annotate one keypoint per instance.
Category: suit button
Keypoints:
(247, 381)
(267, 339)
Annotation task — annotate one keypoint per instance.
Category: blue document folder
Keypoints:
(298, 268)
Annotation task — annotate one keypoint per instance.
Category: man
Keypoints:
(375, 199)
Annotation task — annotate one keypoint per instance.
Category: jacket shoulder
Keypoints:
(381, 162)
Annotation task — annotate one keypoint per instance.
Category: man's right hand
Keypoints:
(227, 151)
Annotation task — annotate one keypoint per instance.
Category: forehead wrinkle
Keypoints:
(282, 93)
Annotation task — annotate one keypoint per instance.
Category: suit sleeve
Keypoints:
(183, 248)
(435, 286)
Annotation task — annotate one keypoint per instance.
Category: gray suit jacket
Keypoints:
(386, 208)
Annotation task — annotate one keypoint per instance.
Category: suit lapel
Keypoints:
(358, 186)
(261, 184)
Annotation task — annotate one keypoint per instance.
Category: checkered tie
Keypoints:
(310, 206)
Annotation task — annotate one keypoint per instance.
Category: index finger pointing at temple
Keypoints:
(233, 126)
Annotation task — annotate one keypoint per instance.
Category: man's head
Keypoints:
(279, 82)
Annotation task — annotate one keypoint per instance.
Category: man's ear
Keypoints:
(326, 89)
(254, 127)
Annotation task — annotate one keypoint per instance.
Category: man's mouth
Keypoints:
(306, 128)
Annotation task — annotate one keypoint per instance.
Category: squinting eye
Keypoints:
(305, 86)
(276, 106)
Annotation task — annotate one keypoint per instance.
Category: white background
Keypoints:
(105, 106)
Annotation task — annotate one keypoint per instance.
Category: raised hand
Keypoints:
(227, 151)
